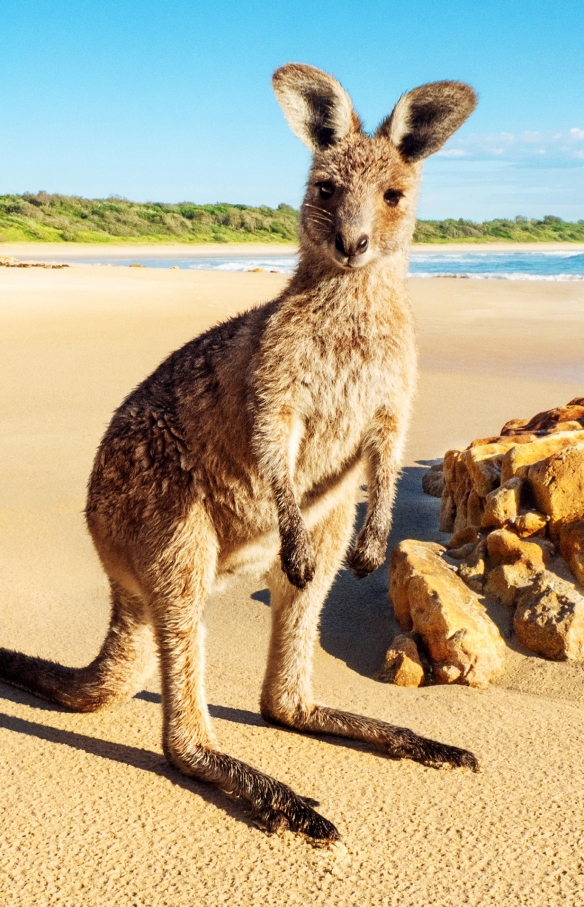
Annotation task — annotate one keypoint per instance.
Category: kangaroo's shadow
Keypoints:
(357, 622)
(142, 759)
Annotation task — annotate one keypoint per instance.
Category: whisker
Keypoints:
(325, 214)
(314, 216)
(317, 216)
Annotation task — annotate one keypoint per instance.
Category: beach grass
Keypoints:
(42, 217)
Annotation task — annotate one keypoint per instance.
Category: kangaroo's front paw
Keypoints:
(298, 563)
(367, 555)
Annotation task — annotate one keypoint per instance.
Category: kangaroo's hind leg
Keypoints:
(184, 575)
(126, 659)
(287, 691)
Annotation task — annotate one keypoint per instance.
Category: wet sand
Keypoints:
(91, 814)
(70, 251)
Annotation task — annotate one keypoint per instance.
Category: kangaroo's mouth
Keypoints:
(352, 262)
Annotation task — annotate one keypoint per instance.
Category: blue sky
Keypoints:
(169, 101)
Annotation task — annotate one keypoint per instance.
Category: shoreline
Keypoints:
(28, 250)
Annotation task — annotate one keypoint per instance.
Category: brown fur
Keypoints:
(246, 448)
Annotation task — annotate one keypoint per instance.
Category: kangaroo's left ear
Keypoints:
(424, 118)
(317, 107)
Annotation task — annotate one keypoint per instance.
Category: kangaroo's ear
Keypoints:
(317, 107)
(424, 118)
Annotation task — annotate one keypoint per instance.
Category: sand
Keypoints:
(32, 251)
(91, 815)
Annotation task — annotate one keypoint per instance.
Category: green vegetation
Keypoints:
(521, 229)
(61, 218)
(42, 217)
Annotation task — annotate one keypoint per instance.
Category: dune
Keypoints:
(91, 814)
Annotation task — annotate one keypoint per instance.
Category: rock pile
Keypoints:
(515, 506)
(462, 644)
(9, 262)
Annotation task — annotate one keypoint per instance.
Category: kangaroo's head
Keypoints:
(361, 196)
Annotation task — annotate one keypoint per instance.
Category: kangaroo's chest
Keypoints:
(345, 388)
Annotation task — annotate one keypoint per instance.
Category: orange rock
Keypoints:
(530, 523)
(408, 558)
(548, 420)
(433, 481)
(484, 465)
(508, 581)
(475, 508)
(502, 505)
(572, 548)
(505, 548)
(473, 570)
(558, 486)
(549, 619)
(455, 476)
(447, 513)
(464, 644)
(464, 537)
(463, 552)
(566, 426)
(402, 664)
(518, 459)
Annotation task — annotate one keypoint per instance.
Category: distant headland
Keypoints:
(42, 217)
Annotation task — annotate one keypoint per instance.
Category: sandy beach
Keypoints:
(91, 814)
(29, 251)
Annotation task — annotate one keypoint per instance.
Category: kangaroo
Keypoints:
(245, 451)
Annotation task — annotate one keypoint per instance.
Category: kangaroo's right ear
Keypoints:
(317, 107)
(424, 118)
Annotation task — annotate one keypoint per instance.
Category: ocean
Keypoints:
(496, 265)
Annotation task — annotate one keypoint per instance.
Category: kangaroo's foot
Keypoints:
(395, 742)
(273, 805)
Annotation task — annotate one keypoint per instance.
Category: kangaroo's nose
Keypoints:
(350, 249)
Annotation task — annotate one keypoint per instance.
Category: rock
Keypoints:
(549, 619)
(572, 547)
(447, 513)
(15, 263)
(529, 523)
(473, 570)
(457, 488)
(408, 558)
(464, 537)
(558, 487)
(402, 664)
(549, 420)
(518, 459)
(469, 476)
(502, 505)
(475, 509)
(462, 552)
(566, 426)
(507, 581)
(504, 547)
(484, 465)
(433, 481)
(464, 644)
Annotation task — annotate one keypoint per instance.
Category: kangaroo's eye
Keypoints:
(392, 197)
(326, 190)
